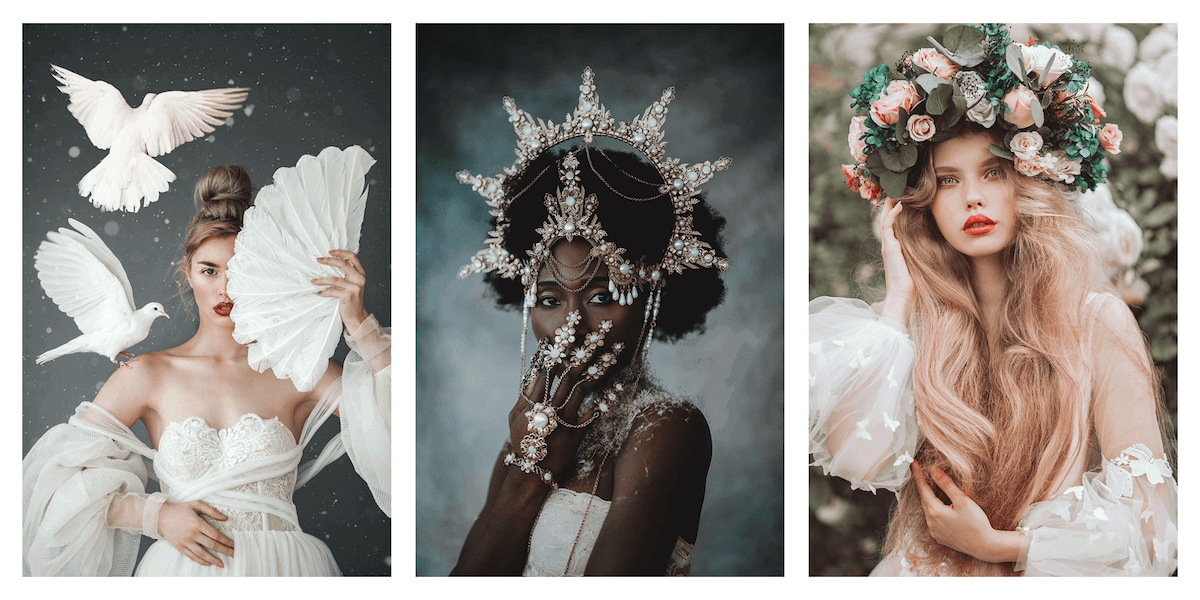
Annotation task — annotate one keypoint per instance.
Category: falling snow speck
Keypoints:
(111, 228)
(29, 159)
(230, 82)
(49, 330)
(337, 110)
(249, 109)
(73, 152)
(293, 94)
(166, 221)
(99, 384)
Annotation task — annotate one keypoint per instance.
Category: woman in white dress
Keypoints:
(998, 389)
(227, 440)
(603, 471)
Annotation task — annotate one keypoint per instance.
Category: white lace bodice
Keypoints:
(191, 449)
(562, 533)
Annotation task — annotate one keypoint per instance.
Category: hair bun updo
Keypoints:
(224, 193)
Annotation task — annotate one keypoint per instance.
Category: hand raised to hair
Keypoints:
(348, 290)
(961, 525)
(181, 525)
(900, 286)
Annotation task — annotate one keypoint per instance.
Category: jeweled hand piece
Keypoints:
(552, 354)
(541, 419)
(591, 342)
(604, 363)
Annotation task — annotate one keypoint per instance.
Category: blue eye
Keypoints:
(947, 181)
(208, 271)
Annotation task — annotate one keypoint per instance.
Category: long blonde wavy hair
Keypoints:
(999, 410)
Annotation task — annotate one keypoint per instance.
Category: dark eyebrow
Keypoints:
(594, 281)
(211, 264)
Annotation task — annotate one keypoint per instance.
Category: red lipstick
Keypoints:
(223, 308)
(978, 225)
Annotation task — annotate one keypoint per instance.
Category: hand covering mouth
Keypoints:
(977, 221)
(223, 308)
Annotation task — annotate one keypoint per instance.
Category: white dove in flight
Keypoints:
(133, 135)
(86, 281)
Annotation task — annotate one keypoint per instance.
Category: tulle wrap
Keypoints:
(75, 470)
(1117, 518)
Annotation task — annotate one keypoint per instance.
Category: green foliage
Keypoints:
(844, 258)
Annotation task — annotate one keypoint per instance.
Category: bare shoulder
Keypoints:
(332, 373)
(671, 435)
(131, 387)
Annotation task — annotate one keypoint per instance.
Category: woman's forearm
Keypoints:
(499, 541)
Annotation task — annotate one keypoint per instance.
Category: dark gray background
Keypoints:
(729, 102)
(312, 87)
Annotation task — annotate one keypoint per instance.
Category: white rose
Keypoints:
(1119, 49)
(984, 113)
(1167, 68)
(1169, 168)
(1082, 32)
(1064, 169)
(1156, 43)
(1036, 57)
(1127, 237)
(1166, 136)
(1095, 89)
(1141, 93)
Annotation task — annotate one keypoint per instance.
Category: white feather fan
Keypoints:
(310, 209)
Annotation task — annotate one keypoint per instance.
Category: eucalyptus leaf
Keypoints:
(902, 126)
(959, 99)
(929, 81)
(1001, 152)
(893, 184)
(1046, 99)
(960, 37)
(1016, 63)
(939, 99)
(1046, 70)
(902, 159)
(1038, 117)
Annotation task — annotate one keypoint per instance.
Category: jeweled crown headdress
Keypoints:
(1036, 93)
(572, 213)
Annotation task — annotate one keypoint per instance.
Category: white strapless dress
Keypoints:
(261, 517)
(562, 534)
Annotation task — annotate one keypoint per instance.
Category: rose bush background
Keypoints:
(1134, 79)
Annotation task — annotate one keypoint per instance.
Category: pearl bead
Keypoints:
(587, 105)
(692, 176)
(540, 420)
(570, 201)
(708, 258)
(652, 122)
(678, 183)
(655, 275)
(535, 144)
(658, 109)
(625, 269)
(678, 244)
(586, 123)
(693, 253)
(706, 169)
(639, 137)
(527, 130)
(569, 227)
(592, 370)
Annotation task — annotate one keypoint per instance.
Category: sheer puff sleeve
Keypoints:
(72, 478)
(1121, 520)
(366, 408)
(862, 420)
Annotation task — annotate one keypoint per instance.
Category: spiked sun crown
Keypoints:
(572, 211)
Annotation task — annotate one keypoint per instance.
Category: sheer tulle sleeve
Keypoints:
(862, 421)
(72, 477)
(366, 408)
(1121, 520)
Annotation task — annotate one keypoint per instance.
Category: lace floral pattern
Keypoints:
(192, 449)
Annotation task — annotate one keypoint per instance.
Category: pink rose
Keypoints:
(1096, 110)
(1030, 168)
(899, 94)
(1064, 169)
(1026, 145)
(921, 128)
(853, 181)
(869, 190)
(1110, 138)
(933, 61)
(857, 129)
(1018, 102)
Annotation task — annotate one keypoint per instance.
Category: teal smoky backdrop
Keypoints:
(1133, 78)
(311, 87)
(728, 102)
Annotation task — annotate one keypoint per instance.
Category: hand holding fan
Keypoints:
(310, 209)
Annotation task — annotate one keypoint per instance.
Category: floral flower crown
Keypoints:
(1036, 93)
(571, 212)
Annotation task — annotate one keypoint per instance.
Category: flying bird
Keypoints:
(86, 281)
(133, 135)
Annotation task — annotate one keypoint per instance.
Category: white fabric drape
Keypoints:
(73, 472)
(1118, 519)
